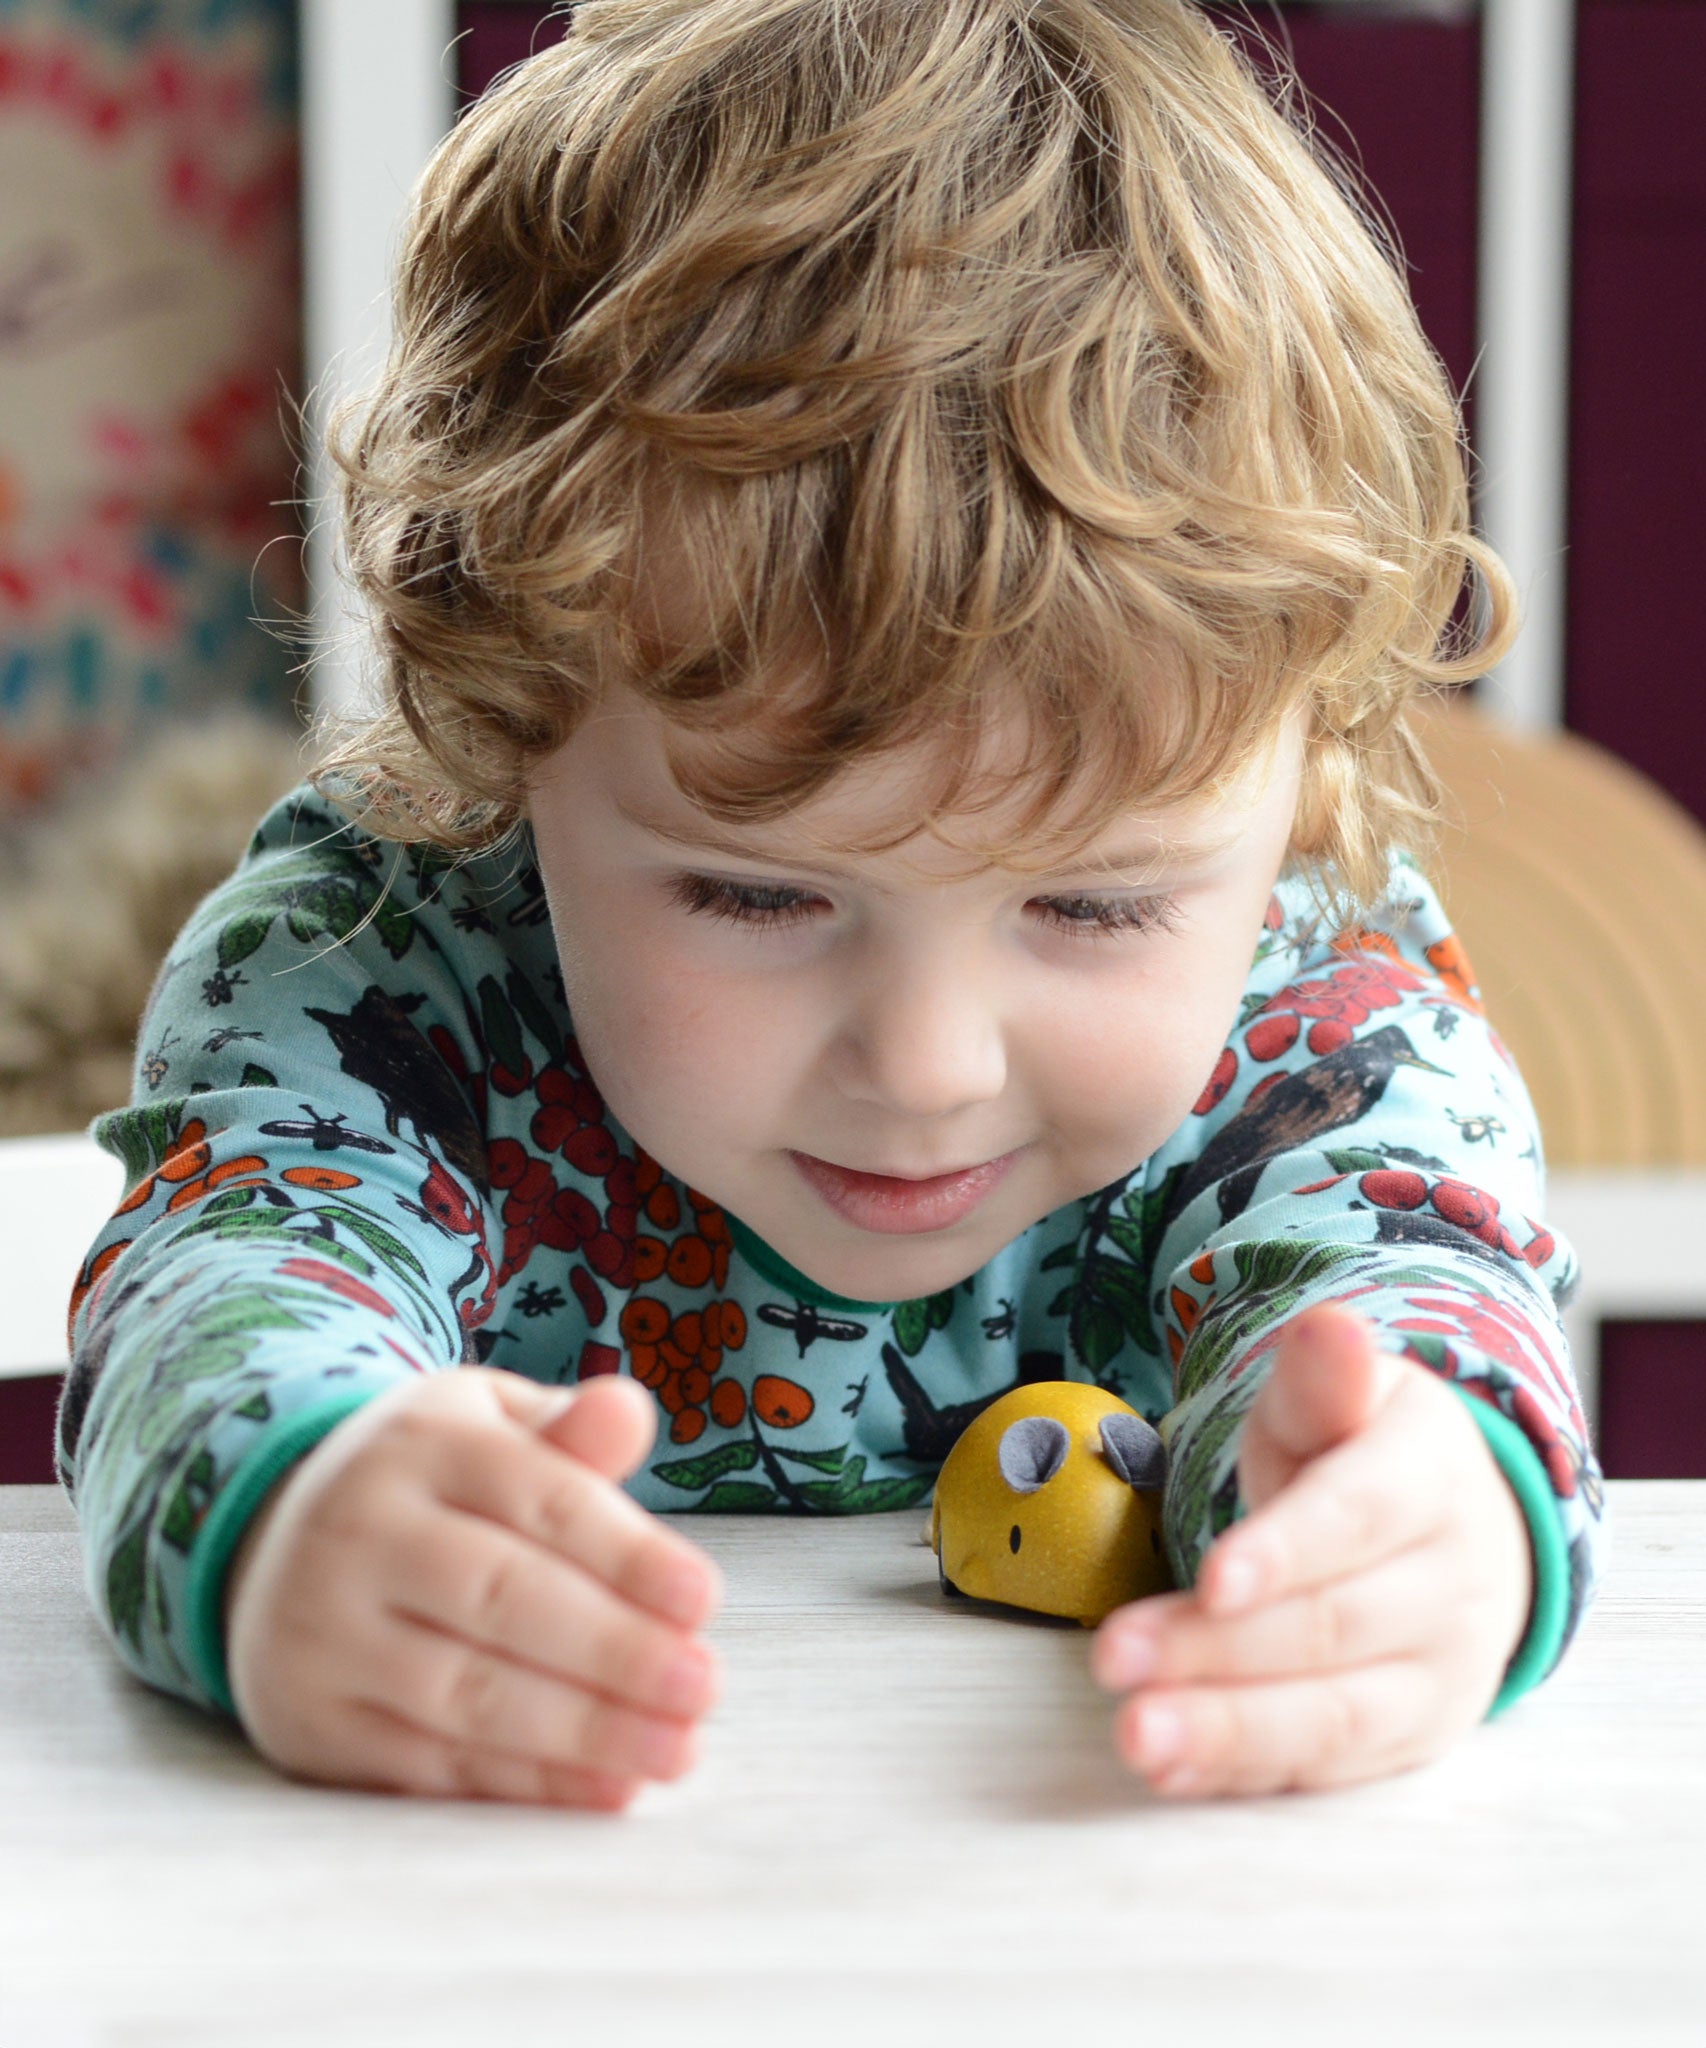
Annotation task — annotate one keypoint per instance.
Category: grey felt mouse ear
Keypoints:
(1135, 1451)
(1032, 1451)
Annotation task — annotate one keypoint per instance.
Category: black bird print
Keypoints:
(380, 1048)
(1325, 1096)
(930, 1432)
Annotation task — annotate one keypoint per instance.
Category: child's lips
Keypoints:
(895, 1205)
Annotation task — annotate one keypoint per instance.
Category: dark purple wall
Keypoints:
(1637, 594)
(496, 34)
(1402, 98)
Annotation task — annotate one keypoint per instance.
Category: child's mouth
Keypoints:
(881, 1201)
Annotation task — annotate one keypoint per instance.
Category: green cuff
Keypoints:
(216, 1541)
(769, 1264)
(1519, 1461)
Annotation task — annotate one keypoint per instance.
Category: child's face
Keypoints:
(782, 1024)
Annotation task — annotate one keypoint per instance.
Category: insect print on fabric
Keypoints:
(391, 1158)
(808, 1324)
(1477, 1128)
(325, 1133)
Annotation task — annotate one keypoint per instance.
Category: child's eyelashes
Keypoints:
(761, 903)
(773, 905)
(1092, 914)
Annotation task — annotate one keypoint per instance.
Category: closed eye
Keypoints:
(759, 903)
(774, 905)
(1092, 916)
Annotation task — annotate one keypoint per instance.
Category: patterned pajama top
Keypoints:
(363, 1144)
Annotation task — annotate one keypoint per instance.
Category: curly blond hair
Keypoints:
(1015, 356)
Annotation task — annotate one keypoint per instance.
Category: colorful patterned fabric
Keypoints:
(363, 1145)
(149, 313)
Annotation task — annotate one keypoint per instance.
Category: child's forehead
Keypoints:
(942, 806)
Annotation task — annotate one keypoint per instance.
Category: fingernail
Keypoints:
(1236, 1584)
(681, 1594)
(1128, 1658)
(684, 1685)
(1160, 1735)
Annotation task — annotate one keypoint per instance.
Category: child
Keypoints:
(901, 540)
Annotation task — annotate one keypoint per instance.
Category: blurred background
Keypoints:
(200, 196)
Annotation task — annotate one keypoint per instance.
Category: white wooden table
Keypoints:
(908, 1827)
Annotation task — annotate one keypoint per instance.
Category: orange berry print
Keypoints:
(689, 1262)
(324, 1179)
(780, 1403)
(1451, 963)
(728, 1403)
(688, 1331)
(189, 1156)
(688, 1426)
(1186, 1310)
(138, 1195)
(648, 1259)
(644, 1321)
(663, 1208)
(1358, 938)
(89, 1281)
(649, 1369)
(248, 1164)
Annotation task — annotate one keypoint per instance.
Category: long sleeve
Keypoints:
(307, 1222)
(1367, 1139)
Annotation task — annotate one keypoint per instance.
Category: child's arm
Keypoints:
(329, 1079)
(451, 1595)
(1362, 1616)
(1419, 1506)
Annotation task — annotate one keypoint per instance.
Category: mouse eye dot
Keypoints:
(1013, 1540)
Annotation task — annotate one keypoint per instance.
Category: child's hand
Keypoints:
(1362, 1614)
(451, 1594)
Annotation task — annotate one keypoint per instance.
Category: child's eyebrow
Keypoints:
(1156, 863)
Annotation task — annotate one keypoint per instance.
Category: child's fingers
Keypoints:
(484, 1589)
(576, 1513)
(469, 1698)
(1393, 1610)
(383, 1751)
(1352, 1507)
(1327, 1381)
(1285, 1734)
(609, 1422)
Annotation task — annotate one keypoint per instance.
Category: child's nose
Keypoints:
(923, 1045)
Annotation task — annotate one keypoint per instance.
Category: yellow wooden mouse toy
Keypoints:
(1051, 1500)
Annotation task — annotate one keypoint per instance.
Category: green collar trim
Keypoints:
(770, 1265)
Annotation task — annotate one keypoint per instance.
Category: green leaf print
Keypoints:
(503, 1033)
(1354, 1159)
(1130, 1238)
(395, 924)
(126, 1585)
(143, 1137)
(189, 1502)
(740, 1497)
(384, 1244)
(692, 1473)
(914, 1320)
(1194, 1460)
(820, 1461)
(533, 1012)
(851, 1493)
(1097, 1331)
(258, 1408)
(243, 936)
(258, 1077)
(320, 895)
